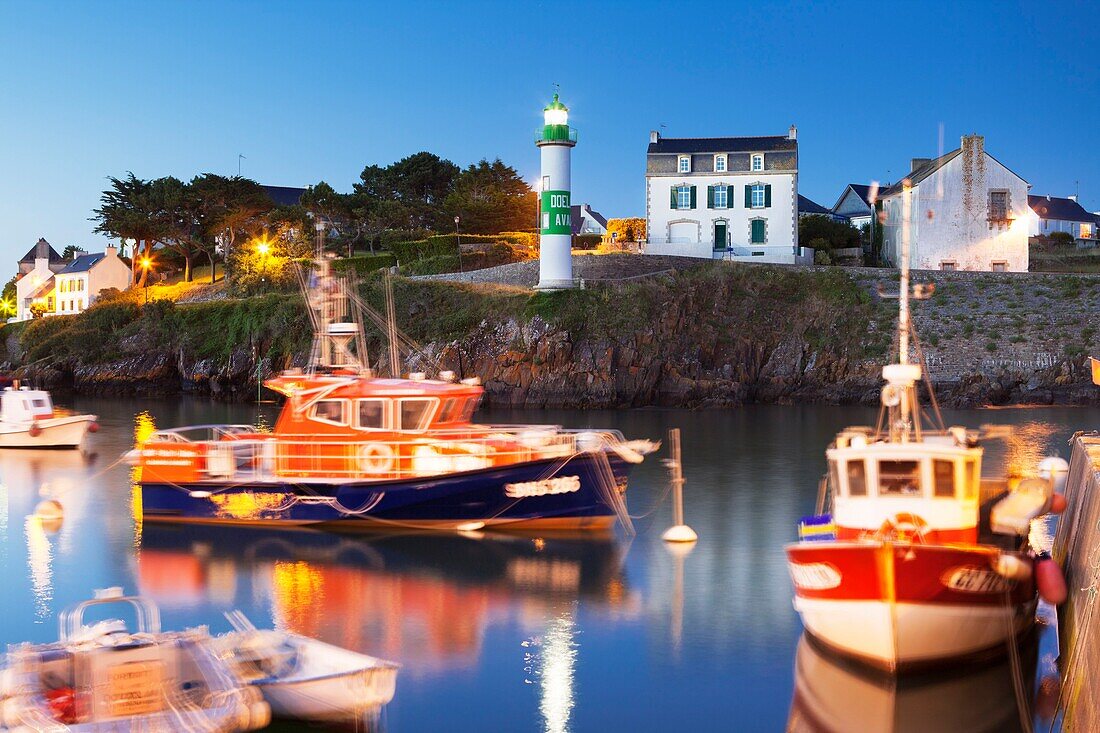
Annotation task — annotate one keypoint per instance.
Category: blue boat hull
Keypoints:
(543, 495)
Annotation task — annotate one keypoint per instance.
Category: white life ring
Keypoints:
(375, 458)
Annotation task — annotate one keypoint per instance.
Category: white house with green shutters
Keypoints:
(724, 198)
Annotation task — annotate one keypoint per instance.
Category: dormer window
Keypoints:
(720, 163)
(758, 161)
(685, 164)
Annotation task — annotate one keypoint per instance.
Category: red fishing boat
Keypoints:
(919, 559)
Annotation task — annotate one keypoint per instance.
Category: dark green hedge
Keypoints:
(365, 264)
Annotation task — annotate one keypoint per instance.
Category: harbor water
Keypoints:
(501, 632)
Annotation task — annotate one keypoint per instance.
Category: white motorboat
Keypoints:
(306, 679)
(102, 677)
(28, 419)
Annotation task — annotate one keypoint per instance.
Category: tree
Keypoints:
(822, 232)
(9, 297)
(228, 209)
(69, 253)
(127, 211)
(492, 198)
(628, 230)
(421, 183)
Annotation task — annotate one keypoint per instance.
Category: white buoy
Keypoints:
(678, 532)
(1054, 469)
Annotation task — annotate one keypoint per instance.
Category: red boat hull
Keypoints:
(898, 605)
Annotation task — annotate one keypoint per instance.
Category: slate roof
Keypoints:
(31, 255)
(921, 172)
(764, 144)
(864, 192)
(83, 263)
(1060, 209)
(285, 195)
(575, 217)
(806, 206)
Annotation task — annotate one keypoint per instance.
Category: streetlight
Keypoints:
(146, 263)
(262, 248)
(458, 241)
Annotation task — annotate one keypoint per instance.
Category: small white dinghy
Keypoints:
(28, 419)
(305, 679)
(103, 678)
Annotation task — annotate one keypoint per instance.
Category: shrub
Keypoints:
(1061, 238)
(587, 241)
(991, 346)
(404, 235)
(365, 264)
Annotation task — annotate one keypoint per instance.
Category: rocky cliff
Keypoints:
(712, 335)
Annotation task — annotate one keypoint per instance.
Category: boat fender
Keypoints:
(375, 458)
(1055, 469)
(1012, 567)
(35, 431)
(904, 527)
(1058, 504)
(93, 427)
(1049, 578)
(259, 716)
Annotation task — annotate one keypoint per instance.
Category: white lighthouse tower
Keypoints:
(556, 140)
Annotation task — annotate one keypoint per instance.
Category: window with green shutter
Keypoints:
(693, 197)
(758, 231)
(768, 196)
(748, 197)
(710, 197)
(672, 202)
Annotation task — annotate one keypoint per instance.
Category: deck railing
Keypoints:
(233, 453)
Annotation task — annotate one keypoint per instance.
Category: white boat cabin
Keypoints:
(22, 405)
(930, 484)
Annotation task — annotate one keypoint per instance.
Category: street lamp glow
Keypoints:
(145, 263)
(262, 247)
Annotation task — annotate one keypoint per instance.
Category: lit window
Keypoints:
(1086, 231)
(683, 197)
(372, 414)
(758, 162)
(720, 163)
(943, 473)
(414, 413)
(899, 478)
(685, 164)
(857, 478)
(757, 200)
(329, 411)
(721, 197)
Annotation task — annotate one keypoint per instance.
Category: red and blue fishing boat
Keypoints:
(919, 560)
(354, 449)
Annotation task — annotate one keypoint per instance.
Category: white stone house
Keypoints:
(967, 212)
(724, 198)
(857, 203)
(586, 220)
(34, 286)
(77, 286)
(1051, 214)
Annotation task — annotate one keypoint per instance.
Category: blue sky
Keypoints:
(314, 91)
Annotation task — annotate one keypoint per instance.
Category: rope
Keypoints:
(1019, 691)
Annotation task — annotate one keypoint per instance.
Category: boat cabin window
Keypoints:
(329, 411)
(415, 413)
(371, 414)
(40, 402)
(451, 411)
(898, 478)
(857, 478)
(973, 478)
(943, 478)
(468, 409)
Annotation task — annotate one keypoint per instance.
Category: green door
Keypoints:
(758, 231)
(720, 235)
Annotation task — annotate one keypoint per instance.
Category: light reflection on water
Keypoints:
(620, 635)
